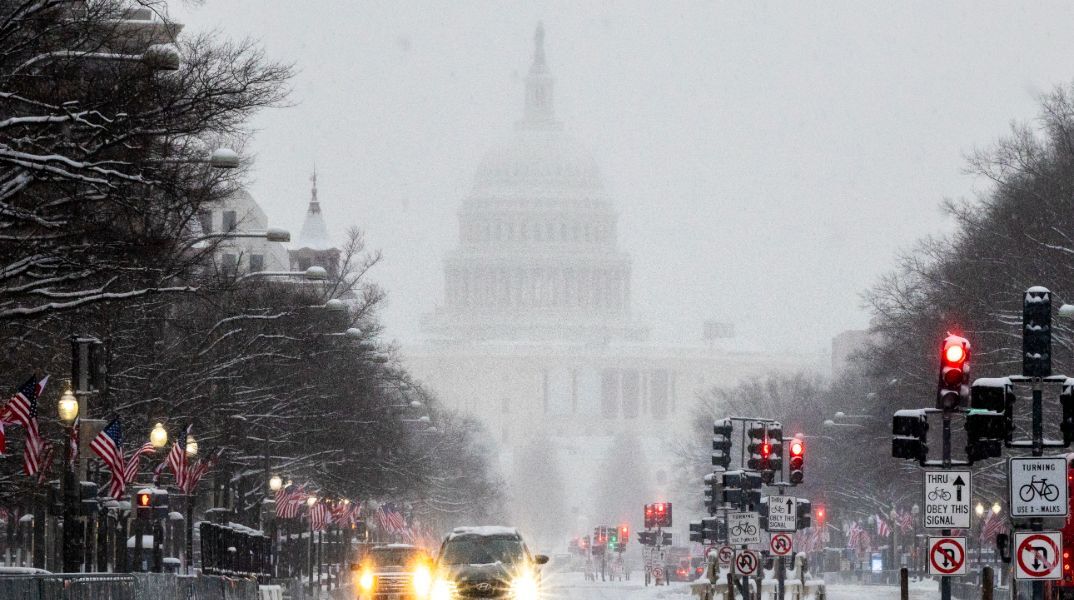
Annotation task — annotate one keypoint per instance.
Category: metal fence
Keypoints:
(134, 586)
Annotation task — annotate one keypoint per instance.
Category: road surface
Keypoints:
(572, 586)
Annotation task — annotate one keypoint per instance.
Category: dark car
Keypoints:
(486, 562)
(393, 572)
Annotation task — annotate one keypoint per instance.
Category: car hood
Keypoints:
(487, 572)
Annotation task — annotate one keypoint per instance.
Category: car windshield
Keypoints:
(482, 550)
(393, 557)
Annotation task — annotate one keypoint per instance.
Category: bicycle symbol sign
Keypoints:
(1038, 486)
(743, 528)
(746, 562)
(1037, 555)
(780, 544)
(947, 556)
(947, 499)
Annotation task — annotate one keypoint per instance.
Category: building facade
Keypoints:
(535, 335)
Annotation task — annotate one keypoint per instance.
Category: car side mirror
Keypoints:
(540, 559)
(1003, 547)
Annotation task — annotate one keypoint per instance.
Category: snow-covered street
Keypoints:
(571, 586)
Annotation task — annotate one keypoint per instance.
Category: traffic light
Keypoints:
(775, 444)
(662, 514)
(804, 514)
(144, 504)
(1066, 400)
(954, 372)
(624, 534)
(650, 516)
(721, 443)
(1037, 332)
(797, 460)
(821, 515)
(990, 419)
(909, 429)
(697, 532)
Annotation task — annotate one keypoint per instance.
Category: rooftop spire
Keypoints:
(540, 110)
(538, 49)
(315, 205)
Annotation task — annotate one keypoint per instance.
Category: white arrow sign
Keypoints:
(947, 499)
(782, 511)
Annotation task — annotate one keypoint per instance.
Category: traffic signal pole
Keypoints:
(945, 581)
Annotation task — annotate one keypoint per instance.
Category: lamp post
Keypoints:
(275, 483)
(310, 501)
(67, 409)
(191, 451)
(158, 436)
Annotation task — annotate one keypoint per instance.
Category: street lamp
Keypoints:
(275, 483)
(191, 445)
(159, 436)
(979, 509)
(311, 501)
(68, 407)
(996, 508)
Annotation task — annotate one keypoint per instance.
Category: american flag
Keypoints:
(289, 501)
(50, 455)
(320, 517)
(108, 444)
(905, 522)
(882, 528)
(177, 459)
(993, 526)
(72, 439)
(858, 537)
(198, 470)
(23, 409)
(390, 519)
(130, 469)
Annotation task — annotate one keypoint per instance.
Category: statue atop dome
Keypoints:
(540, 107)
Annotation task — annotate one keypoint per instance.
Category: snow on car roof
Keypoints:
(485, 530)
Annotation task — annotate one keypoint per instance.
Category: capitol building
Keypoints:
(535, 335)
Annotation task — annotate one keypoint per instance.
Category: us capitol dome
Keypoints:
(538, 255)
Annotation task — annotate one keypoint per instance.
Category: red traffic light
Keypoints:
(820, 515)
(956, 352)
(660, 507)
(797, 448)
(766, 449)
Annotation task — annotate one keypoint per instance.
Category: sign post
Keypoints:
(947, 499)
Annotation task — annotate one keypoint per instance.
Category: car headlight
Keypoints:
(524, 587)
(421, 581)
(442, 589)
(366, 581)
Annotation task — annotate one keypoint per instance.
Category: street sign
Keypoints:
(747, 562)
(743, 529)
(947, 556)
(1037, 555)
(1038, 486)
(782, 513)
(947, 499)
(780, 544)
(724, 555)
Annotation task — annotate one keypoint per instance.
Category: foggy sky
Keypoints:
(768, 159)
